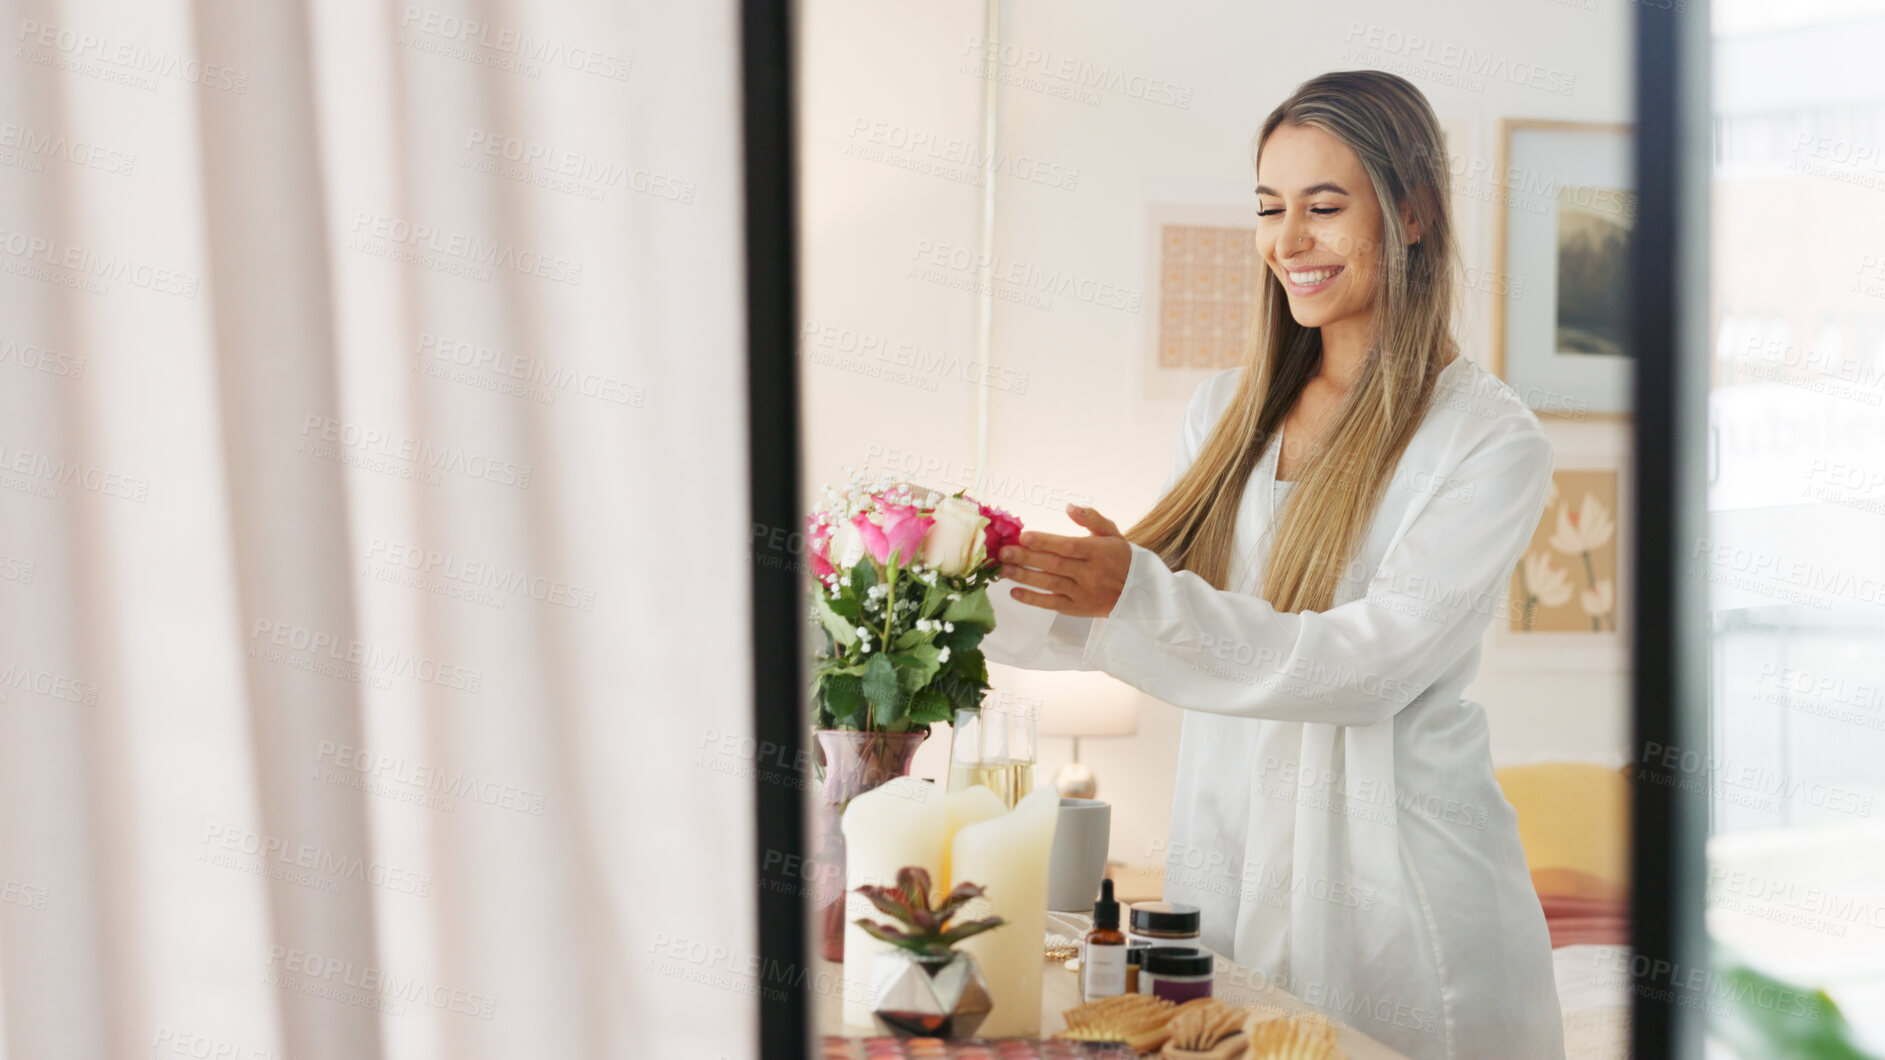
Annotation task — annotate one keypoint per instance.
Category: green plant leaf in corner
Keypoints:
(917, 666)
(844, 699)
(881, 688)
(972, 609)
(930, 706)
(842, 631)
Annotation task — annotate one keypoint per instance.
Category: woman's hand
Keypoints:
(1079, 576)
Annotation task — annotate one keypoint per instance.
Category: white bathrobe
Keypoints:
(1336, 816)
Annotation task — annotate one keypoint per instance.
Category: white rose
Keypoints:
(955, 543)
(847, 546)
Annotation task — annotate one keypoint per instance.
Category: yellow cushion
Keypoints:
(1573, 820)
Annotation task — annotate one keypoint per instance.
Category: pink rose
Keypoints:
(1003, 530)
(897, 528)
(818, 545)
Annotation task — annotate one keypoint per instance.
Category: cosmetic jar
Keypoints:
(1177, 974)
(1165, 924)
(1135, 949)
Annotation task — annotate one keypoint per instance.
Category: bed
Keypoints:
(1573, 821)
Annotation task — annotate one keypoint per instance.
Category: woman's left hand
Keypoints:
(1078, 576)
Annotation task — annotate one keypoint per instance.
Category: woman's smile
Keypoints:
(1302, 282)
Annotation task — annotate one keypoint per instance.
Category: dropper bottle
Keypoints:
(1103, 961)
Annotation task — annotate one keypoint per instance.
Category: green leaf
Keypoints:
(1807, 1025)
(846, 606)
(930, 706)
(969, 928)
(916, 666)
(963, 639)
(972, 609)
(913, 637)
(970, 666)
(863, 576)
(841, 630)
(935, 594)
(844, 698)
(883, 690)
(826, 665)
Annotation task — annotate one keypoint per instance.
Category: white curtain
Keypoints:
(373, 579)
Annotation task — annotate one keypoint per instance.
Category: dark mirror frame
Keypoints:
(1668, 329)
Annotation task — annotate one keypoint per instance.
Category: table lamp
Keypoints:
(1072, 703)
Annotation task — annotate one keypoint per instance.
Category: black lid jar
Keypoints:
(1164, 922)
(1176, 973)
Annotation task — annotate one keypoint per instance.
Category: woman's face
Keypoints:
(1318, 225)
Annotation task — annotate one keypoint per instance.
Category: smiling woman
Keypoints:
(1321, 652)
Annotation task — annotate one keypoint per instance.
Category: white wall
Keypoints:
(1075, 412)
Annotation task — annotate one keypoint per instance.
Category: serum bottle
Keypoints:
(1103, 961)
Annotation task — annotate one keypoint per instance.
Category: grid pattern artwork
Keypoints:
(1208, 279)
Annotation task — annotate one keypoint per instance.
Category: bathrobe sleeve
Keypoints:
(1035, 638)
(1176, 637)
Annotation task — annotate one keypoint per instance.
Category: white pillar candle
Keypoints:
(1007, 857)
(896, 824)
(978, 802)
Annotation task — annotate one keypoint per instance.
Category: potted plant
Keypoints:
(899, 589)
(924, 987)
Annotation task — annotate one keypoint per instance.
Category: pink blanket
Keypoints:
(1586, 921)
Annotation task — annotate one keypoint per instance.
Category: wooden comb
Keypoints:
(1140, 1020)
(1309, 1036)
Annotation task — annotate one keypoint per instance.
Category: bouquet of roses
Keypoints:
(900, 588)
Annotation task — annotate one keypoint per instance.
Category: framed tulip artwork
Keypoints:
(1564, 604)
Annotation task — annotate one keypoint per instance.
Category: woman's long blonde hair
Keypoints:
(1389, 124)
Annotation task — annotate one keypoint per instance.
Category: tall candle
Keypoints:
(978, 802)
(896, 824)
(1007, 856)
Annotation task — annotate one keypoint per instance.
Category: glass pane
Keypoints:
(1031, 242)
(1795, 762)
